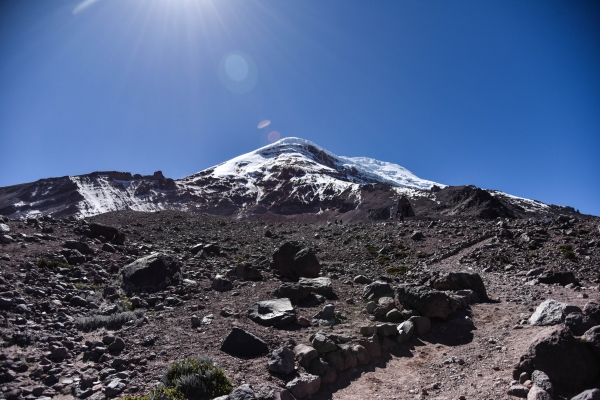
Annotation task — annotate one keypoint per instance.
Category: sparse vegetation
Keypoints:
(400, 255)
(196, 378)
(567, 251)
(372, 250)
(114, 321)
(127, 302)
(44, 263)
(401, 270)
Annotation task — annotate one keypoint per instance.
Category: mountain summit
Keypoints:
(292, 179)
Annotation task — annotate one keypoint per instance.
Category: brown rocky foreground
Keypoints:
(81, 317)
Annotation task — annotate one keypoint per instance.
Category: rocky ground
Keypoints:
(78, 321)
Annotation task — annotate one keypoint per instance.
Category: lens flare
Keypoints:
(274, 136)
(264, 124)
(238, 72)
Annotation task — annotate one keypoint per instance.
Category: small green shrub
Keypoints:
(44, 263)
(197, 378)
(156, 394)
(372, 250)
(127, 302)
(239, 259)
(401, 270)
(400, 255)
(567, 251)
(583, 231)
(422, 255)
(383, 261)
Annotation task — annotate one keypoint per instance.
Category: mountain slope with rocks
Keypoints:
(458, 308)
(290, 180)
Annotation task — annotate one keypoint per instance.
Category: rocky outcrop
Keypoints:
(293, 260)
(152, 272)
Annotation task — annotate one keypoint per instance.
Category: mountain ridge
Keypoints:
(292, 178)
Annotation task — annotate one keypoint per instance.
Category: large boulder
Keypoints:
(304, 385)
(569, 363)
(282, 361)
(241, 343)
(460, 281)
(429, 302)
(319, 285)
(579, 323)
(590, 394)
(592, 310)
(152, 272)
(377, 290)
(110, 233)
(294, 261)
(293, 291)
(276, 312)
(551, 312)
(592, 338)
(563, 278)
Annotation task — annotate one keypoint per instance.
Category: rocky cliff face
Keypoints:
(290, 179)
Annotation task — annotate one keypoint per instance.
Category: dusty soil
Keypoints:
(448, 362)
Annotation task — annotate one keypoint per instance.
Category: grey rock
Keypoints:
(592, 310)
(551, 312)
(579, 323)
(406, 331)
(417, 235)
(293, 291)
(376, 290)
(362, 280)
(428, 302)
(241, 343)
(320, 285)
(387, 329)
(108, 248)
(537, 393)
(242, 392)
(276, 312)
(196, 322)
(459, 281)
(305, 354)
(322, 343)
(362, 355)
(590, 394)
(294, 261)
(282, 361)
(78, 301)
(60, 353)
(372, 345)
(152, 272)
(304, 385)
(117, 345)
(422, 324)
(4, 229)
(114, 387)
(518, 391)
(592, 338)
(221, 284)
(569, 363)
(540, 379)
(327, 313)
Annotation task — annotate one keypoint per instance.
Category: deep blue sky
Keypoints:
(501, 94)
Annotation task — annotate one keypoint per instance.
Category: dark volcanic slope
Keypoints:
(42, 308)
